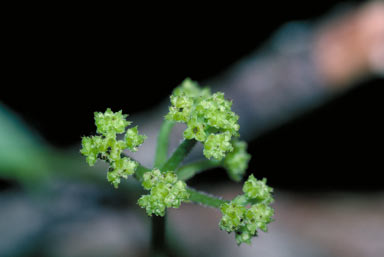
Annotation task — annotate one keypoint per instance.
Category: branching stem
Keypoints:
(140, 172)
(187, 171)
(204, 198)
(178, 155)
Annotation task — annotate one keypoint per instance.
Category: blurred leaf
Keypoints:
(21, 151)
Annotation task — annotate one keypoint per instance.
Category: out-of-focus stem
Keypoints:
(189, 170)
(158, 243)
(162, 143)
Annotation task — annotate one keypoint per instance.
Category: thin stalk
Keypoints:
(162, 143)
(204, 198)
(178, 155)
(187, 171)
(140, 172)
(158, 243)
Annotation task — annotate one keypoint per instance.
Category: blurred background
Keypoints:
(306, 80)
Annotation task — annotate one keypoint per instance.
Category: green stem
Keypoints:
(204, 198)
(140, 172)
(189, 170)
(162, 143)
(178, 155)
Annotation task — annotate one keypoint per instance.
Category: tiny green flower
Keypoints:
(257, 189)
(110, 122)
(114, 178)
(192, 89)
(233, 214)
(90, 149)
(217, 112)
(258, 216)
(236, 162)
(121, 169)
(181, 108)
(165, 191)
(115, 149)
(243, 236)
(150, 179)
(195, 130)
(217, 145)
(133, 139)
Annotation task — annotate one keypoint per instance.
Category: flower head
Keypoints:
(257, 189)
(166, 191)
(106, 146)
(209, 118)
(236, 162)
(217, 145)
(247, 213)
(109, 122)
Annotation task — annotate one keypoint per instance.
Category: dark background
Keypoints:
(65, 65)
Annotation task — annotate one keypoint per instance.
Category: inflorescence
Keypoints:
(209, 120)
(166, 191)
(236, 162)
(248, 212)
(105, 146)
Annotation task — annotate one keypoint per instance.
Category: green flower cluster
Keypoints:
(105, 146)
(248, 212)
(166, 191)
(210, 120)
(236, 162)
(208, 117)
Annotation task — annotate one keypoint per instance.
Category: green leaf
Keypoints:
(22, 152)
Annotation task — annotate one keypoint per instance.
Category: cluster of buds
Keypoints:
(105, 146)
(249, 212)
(208, 117)
(209, 120)
(166, 191)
